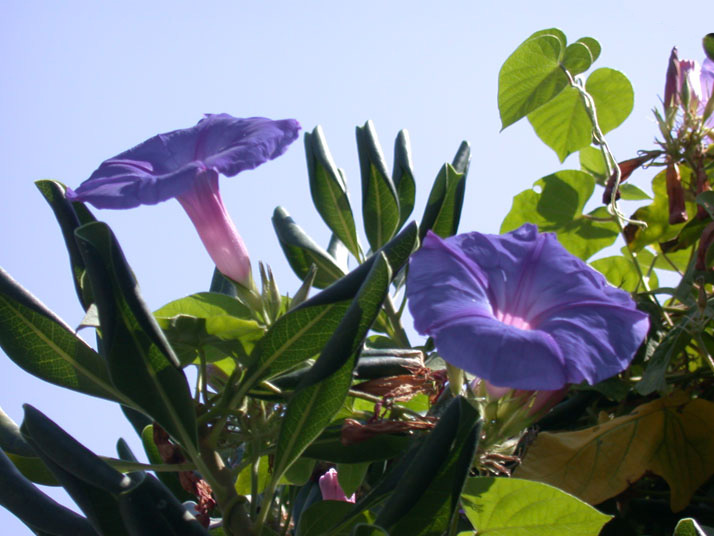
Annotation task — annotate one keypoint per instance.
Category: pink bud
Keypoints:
(203, 204)
(331, 489)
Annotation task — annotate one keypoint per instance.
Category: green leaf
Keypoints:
(557, 207)
(329, 447)
(169, 479)
(22, 455)
(630, 192)
(578, 58)
(150, 508)
(689, 527)
(530, 77)
(621, 273)
(656, 214)
(42, 344)
(69, 216)
(708, 44)
(350, 476)
(513, 507)
(591, 161)
(141, 363)
(328, 190)
(91, 483)
(613, 95)
(653, 378)
(365, 529)
(380, 203)
(403, 176)
(243, 484)
(302, 251)
(593, 46)
(427, 496)
(299, 473)
(34, 508)
(312, 407)
(443, 208)
(563, 124)
(322, 516)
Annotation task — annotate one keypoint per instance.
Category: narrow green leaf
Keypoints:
(169, 479)
(150, 508)
(42, 344)
(22, 454)
(91, 483)
(653, 378)
(578, 58)
(513, 507)
(613, 95)
(320, 517)
(443, 208)
(34, 508)
(397, 251)
(141, 362)
(69, 216)
(403, 176)
(312, 407)
(555, 204)
(380, 204)
(427, 497)
(329, 447)
(530, 77)
(302, 252)
(328, 190)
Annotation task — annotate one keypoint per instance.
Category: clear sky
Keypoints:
(83, 80)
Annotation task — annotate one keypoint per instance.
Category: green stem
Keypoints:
(400, 336)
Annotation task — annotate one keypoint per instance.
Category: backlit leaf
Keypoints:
(670, 437)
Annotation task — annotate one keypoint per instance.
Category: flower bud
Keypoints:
(331, 489)
(675, 192)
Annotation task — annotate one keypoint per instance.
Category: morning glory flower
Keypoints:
(185, 164)
(519, 311)
(330, 488)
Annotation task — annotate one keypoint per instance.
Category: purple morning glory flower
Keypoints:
(520, 311)
(185, 164)
(689, 82)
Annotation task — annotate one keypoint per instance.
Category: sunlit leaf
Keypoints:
(515, 507)
(670, 437)
(557, 207)
(621, 273)
(530, 77)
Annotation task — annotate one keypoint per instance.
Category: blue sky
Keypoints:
(83, 81)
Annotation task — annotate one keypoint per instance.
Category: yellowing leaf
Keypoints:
(670, 437)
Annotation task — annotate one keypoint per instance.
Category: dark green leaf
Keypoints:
(22, 454)
(169, 479)
(350, 476)
(141, 363)
(302, 252)
(380, 204)
(669, 347)
(68, 216)
(328, 190)
(150, 508)
(557, 207)
(443, 208)
(220, 284)
(403, 176)
(34, 508)
(708, 44)
(312, 407)
(530, 77)
(318, 519)
(706, 200)
(92, 483)
(43, 345)
(364, 529)
(427, 497)
(329, 447)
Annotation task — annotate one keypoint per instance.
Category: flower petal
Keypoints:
(520, 311)
(166, 165)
